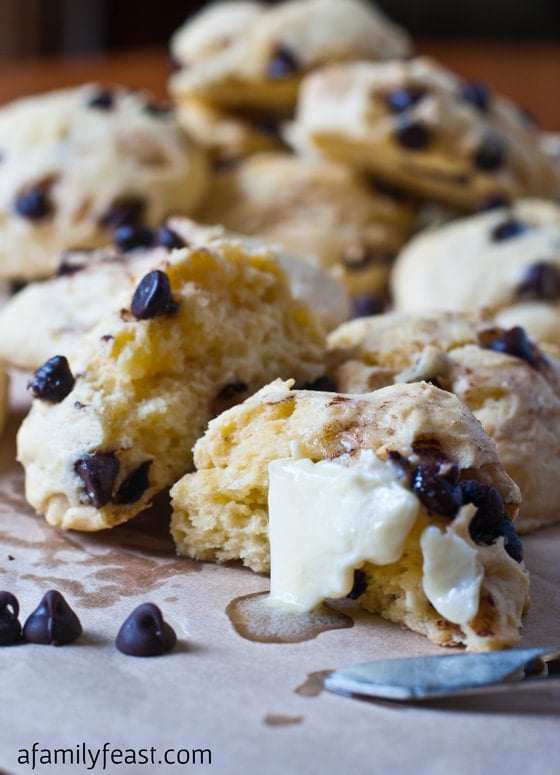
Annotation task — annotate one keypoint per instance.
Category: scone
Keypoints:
(250, 56)
(80, 162)
(505, 262)
(443, 498)
(116, 425)
(502, 377)
(317, 209)
(421, 127)
(89, 284)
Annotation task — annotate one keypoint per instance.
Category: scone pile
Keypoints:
(315, 298)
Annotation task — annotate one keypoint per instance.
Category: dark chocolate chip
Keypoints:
(131, 237)
(98, 472)
(34, 203)
(541, 281)
(359, 585)
(125, 210)
(493, 203)
(491, 154)
(167, 238)
(282, 64)
(145, 634)
(437, 487)
(53, 622)
(476, 94)
(323, 384)
(400, 100)
(231, 390)
(70, 263)
(104, 99)
(159, 108)
(135, 484)
(365, 305)
(515, 342)
(152, 297)
(413, 134)
(512, 542)
(53, 381)
(400, 463)
(508, 229)
(268, 126)
(10, 628)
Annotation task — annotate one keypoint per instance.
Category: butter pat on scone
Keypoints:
(426, 443)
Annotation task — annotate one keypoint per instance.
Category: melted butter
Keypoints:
(255, 619)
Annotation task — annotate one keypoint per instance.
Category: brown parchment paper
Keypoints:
(258, 708)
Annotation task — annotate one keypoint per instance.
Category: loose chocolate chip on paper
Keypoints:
(53, 381)
(145, 633)
(152, 297)
(10, 628)
(98, 472)
(53, 622)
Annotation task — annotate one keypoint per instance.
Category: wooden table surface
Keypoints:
(529, 73)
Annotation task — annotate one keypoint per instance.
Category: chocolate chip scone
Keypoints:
(421, 127)
(78, 163)
(88, 286)
(407, 470)
(504, 379)
(315, 208)
(199, 333)
(505, 262)
(251, 56)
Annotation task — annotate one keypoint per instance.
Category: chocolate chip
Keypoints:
(476, 94)
(135, 484)
(282, 64)
(125, 210)
(512, 542)
(53, 381)
(322, 384)
(231, 390)
(268, 126)
(515, 342)
(53, 622)
(70, 263)
(493, 203)
(153, 298)
(158, 108)
(541, 281)
(34, 203)
(131, 237)
(508, 230)
(437, 487)
(169, 239)
(491, 154)
(145, 634)
(413, 134)
(98, 472)
(400, 100)
(365, 305)
(490, 521)
(400, 463)
(104, 99)
(10, 628)
(359, 585)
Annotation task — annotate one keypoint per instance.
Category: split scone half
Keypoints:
(503, 377)
(404, 481)
(117, 425)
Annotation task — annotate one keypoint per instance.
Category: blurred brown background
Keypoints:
(31, 27)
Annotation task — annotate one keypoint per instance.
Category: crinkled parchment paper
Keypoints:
(257, 707)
